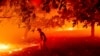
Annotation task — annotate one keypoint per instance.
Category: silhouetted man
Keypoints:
(42, 35)
(43, 38)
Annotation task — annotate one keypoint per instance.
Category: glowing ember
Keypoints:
(70, 28)
(4, 47)
(11, 48)
(66, 29)
(17, 49)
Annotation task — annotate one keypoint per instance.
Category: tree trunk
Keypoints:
(28, 27)
(93, 29)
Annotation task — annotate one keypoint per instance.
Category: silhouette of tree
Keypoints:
(27, 12)
(86, 11)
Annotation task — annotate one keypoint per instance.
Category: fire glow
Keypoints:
(10, 48)
(4, 47)
(7, 48)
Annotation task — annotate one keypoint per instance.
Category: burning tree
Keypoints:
(27, 11)
(87, 12)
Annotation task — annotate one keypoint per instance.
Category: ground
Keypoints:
(63, 46)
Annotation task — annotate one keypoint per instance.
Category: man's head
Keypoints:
(39, 29)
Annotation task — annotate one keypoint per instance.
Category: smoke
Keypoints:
(9, 32)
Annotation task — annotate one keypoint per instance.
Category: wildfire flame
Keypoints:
(4, 47)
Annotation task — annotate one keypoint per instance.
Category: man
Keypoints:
(42, 35)
(43, 38)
